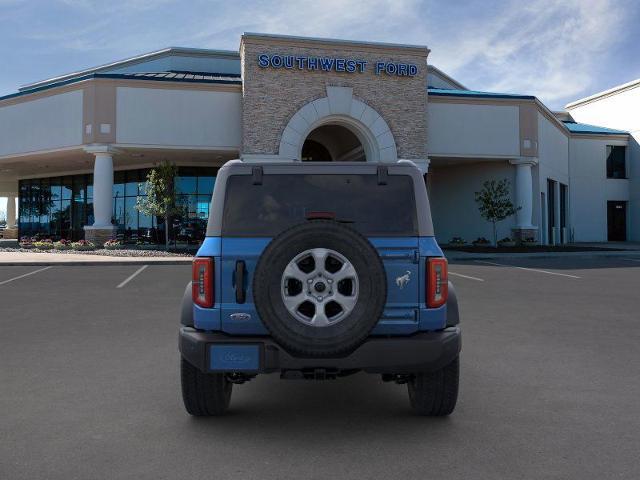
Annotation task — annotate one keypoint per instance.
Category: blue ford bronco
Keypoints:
(318, 270)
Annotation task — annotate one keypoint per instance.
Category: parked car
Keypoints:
(317, 271)
(192, 230)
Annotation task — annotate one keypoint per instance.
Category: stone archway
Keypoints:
(333, 141)
(339, 108)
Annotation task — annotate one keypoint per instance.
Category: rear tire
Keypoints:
(204, 394)
(435, 394)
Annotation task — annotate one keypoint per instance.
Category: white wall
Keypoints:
(452, 197)
(620, 111)
(589, 189)
(189, 118)
(553, 163)
(464, 129)
(42, 124)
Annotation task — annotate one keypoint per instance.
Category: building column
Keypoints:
(11, 232)
(102, 228)
(524, 198)
(11, 212)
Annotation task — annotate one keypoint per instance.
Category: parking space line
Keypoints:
(25, 275)
(467, 276)
(529, 269)
(132, 276)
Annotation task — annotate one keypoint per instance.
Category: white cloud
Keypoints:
(542, 47)
(545, 48)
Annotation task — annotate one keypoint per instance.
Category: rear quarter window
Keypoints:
(282, 201)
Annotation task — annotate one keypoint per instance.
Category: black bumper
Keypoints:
(421, 352)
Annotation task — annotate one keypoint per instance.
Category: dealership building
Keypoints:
(74, 149)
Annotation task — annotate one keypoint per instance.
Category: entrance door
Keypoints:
(551, 211)
(617, 221)
(543, 223)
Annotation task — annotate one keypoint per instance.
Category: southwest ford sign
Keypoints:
(334, 64)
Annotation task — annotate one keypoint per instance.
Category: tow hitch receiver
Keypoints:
(310, 374)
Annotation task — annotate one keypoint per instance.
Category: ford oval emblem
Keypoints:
(241, 317)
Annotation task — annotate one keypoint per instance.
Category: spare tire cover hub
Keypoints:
(319, 287)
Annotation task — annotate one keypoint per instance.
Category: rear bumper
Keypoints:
(421, 352)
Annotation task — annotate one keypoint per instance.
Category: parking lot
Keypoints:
(549, 389)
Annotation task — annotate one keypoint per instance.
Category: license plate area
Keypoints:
(233, 357)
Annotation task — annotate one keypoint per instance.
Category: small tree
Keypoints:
(160, 199)
(494, 203)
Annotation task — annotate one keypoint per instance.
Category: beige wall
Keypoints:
(473, 129)
(272, 96)
(45, 123)
(452, 196)
(178, 117)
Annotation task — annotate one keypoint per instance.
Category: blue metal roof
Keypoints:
(188, 77)
(444, 92)
(575, 127)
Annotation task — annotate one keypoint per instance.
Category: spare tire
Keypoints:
(319, 288)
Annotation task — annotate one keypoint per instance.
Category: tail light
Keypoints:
(437, 282)
(202, 286)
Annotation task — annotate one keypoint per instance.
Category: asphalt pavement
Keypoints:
(89, 385)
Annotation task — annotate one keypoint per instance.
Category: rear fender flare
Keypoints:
(186, 309)
(453, 315)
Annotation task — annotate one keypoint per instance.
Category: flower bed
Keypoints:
(62, 245)
(113, 244)
(83, 245)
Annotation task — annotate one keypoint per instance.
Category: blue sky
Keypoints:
(557, 50)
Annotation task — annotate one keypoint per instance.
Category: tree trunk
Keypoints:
(166, 232)
(495, 235)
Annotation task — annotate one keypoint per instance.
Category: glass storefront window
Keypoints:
(118, 213)
(205, 185)
(186, 185)
(59, 207)
(67, 190)
(131, 185)
(89, 186)
(131, 214)
(202, 210)
(118, 184)
(79, 188)
(55, 188)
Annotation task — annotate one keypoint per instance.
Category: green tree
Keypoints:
(494, 203)
(160, 199)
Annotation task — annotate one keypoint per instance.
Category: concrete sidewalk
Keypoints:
(37, 259)
(456, 255)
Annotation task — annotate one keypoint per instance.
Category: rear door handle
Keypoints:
(241, 293)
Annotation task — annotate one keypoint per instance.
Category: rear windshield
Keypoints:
(282, 201)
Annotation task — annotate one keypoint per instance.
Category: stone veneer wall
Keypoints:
(99, 236)
(272, 96)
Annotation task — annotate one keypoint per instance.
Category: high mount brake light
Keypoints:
(202, 286)
(321, 215)
(437, 282)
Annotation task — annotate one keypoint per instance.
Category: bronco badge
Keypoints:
(402, 280)
(240, 317)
